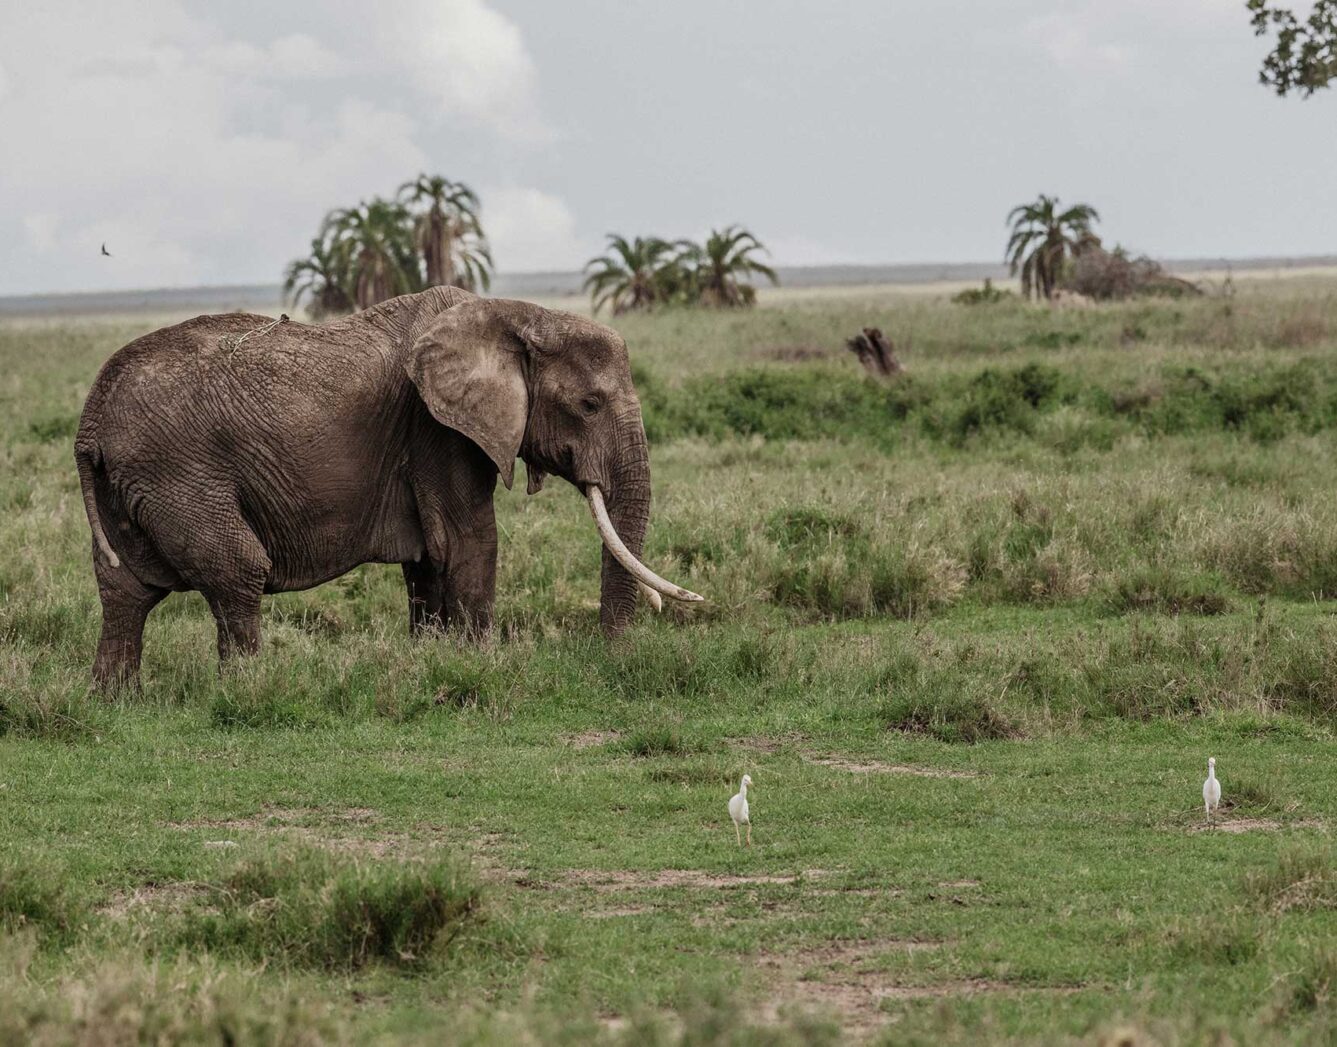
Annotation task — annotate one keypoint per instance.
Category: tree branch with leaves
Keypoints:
(1305, 56)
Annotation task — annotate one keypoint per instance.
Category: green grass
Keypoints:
(974, 637)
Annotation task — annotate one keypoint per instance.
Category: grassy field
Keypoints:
(973, 635)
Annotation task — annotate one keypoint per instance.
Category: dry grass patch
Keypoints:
(692, 879)
(590, 739)
(841, 763)
(849, 980)
(153, 898)
(336, 831)
(795, 354)
(1245, 825)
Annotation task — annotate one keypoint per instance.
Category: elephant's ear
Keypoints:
(470, 369)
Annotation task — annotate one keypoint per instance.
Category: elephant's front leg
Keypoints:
(470, 577)
(423, 581)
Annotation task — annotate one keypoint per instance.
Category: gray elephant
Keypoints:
(235, 455)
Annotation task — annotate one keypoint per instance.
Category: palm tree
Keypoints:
(630, 274)
(1049, 235)
(373, 243)
(726, 256)
(448, 233)
(320, 278)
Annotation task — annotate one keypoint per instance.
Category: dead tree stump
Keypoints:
(876, 353)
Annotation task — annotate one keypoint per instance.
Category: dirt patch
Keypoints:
(589, 739)
(274, 817)
(864, 892)
(765, 744)
(643, 880)
(158, 898)
(1245, 825)
(349, 830)
(840, 763)
(959, 883)
(269, 818)
(616, 913)
(847, 979)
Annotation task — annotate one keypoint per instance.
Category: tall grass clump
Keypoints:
(1302, 879)
(45, 702)
(121, 1001)
(312, 909)
(827, 563)
(34, 897)
(957, 700)
(693, 664)
(1161, 590)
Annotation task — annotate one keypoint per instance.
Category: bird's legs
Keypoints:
(749, 834)
(738, 834)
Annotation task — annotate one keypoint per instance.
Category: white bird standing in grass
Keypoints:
(738, 811)
(1211, 788)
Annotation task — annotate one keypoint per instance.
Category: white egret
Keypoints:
(1211, 788)
(738, 811)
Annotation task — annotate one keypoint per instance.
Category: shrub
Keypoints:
(655, 741)
(309, 909)
(997, 400)
(986, 295)
(1104, 275)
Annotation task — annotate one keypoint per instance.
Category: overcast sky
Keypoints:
(203, 141)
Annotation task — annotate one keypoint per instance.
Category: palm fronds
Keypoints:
(430, 234)
(645, 272)
(1042, 240)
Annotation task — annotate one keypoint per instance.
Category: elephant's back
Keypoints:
(161, 383)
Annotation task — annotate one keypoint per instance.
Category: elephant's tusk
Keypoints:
(652, 597)
(623, 555)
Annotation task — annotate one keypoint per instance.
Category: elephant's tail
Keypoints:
(88, 457)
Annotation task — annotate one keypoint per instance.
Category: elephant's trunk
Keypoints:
(622, 525)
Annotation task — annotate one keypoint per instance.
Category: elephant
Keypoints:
(236, 455)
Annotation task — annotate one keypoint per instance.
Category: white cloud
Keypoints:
(1072, 42)
(301, 55)
(203, 158)
(292, 57)
(1095, 36)
(4, 83)
(530, 230)
(41, 230)
(468, 59)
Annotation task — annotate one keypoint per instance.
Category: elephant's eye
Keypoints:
(590, 405)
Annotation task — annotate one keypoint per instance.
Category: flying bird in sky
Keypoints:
(105, 251)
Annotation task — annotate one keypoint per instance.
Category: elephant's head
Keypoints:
(554, 389)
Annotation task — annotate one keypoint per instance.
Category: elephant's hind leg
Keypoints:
(423, 582)
(234, 592)
(126, 603)
(201, 534)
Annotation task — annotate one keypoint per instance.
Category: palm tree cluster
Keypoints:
(1057, 249)
(429, 235)
(646, 272)
(1044, 238)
